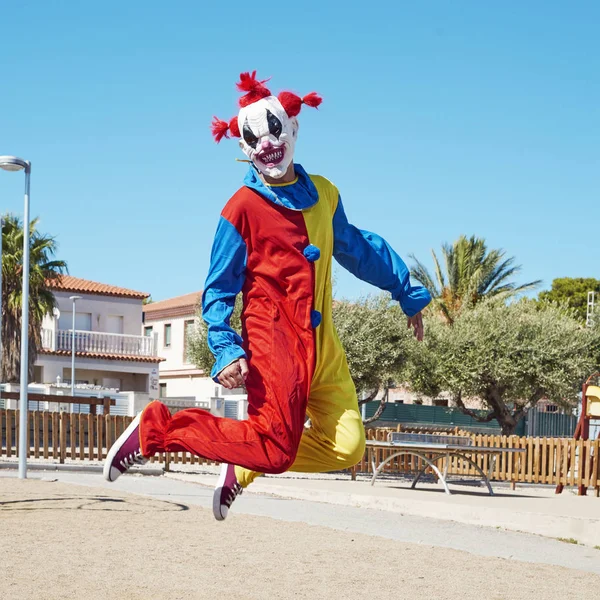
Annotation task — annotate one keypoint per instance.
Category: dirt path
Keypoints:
(67, 541)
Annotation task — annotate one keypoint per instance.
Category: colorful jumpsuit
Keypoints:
(274, 244)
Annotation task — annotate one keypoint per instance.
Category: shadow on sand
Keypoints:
(106, 503)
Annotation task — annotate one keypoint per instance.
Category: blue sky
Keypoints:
(438, 119)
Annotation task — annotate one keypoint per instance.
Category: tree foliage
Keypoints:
(508, 355)
(374, 335)
(572, 291)
(596, 346)
(43, 267)
(469, 273)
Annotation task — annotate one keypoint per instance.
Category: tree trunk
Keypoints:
(380, 408)
(10, 368)
(508, 427)
(369, 398)
(506, 419)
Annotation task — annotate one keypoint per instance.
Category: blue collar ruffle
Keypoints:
(299, 195)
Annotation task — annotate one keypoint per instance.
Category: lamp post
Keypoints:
(12, 163)
(1, 240)
(73, 299)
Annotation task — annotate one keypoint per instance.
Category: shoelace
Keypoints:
(236, 491)
(135, 458)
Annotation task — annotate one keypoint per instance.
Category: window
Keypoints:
(188, 331)
(167, 339)
(38, 374)
(440, 402)
(83, 321)
(231, 409)
(162, 390)
(148, 331)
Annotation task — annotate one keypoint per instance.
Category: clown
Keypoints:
(274, 243)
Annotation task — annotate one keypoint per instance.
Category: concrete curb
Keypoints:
(153, 471)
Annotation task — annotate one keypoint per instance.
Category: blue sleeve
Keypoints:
(225, 280)
(370, 258)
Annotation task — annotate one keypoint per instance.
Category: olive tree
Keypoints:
(375, 337)
(510, 356)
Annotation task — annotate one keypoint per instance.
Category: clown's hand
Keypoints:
(234, 375)
(416, 323)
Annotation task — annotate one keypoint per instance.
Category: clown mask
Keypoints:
(268, 136)
(266, 125)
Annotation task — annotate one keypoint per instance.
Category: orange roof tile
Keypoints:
(172, 307)
(66, 283)
(105, 356)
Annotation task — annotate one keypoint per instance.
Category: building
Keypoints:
(181, 383)
(110, 352)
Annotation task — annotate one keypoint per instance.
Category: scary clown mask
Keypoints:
(268, 136)
(266, 125)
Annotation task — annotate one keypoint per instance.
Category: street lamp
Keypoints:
(73, 299)
(1, 240)
(12, 163)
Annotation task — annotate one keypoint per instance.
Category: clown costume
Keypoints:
(274, 244)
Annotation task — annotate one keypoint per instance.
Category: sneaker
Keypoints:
(125, 452)
(226, 492)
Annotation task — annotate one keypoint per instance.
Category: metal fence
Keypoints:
(536, 423)
(549, 424)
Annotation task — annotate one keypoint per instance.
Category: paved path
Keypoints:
(481, 541)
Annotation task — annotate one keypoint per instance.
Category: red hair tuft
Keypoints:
(293, 104)
(234, 128)
(255, 88)
(313, 100)
(219, 129)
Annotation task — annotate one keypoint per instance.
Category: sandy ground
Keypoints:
(67, 541)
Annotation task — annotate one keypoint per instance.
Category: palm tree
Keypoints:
(471, 274)
(43, 268)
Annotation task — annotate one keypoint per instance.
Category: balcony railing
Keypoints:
(95, 341)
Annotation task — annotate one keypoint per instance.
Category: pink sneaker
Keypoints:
(226, 492)
(125, 452)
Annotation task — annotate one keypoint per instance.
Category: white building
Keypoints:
(110, 351)
(182, 384)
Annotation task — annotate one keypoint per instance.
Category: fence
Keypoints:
(420, 415)
(75, 436)
(549, 424)
(536, 423)
(61, 436)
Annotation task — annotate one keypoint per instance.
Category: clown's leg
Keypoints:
(277, 399)
(336, 437)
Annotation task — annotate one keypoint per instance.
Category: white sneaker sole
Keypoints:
(220, 512)
(111, 473)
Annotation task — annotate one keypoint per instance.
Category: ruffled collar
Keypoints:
(300, 194)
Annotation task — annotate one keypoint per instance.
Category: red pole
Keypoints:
(585, 434)
(581, 431)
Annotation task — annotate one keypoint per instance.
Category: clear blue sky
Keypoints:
(438, 119)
